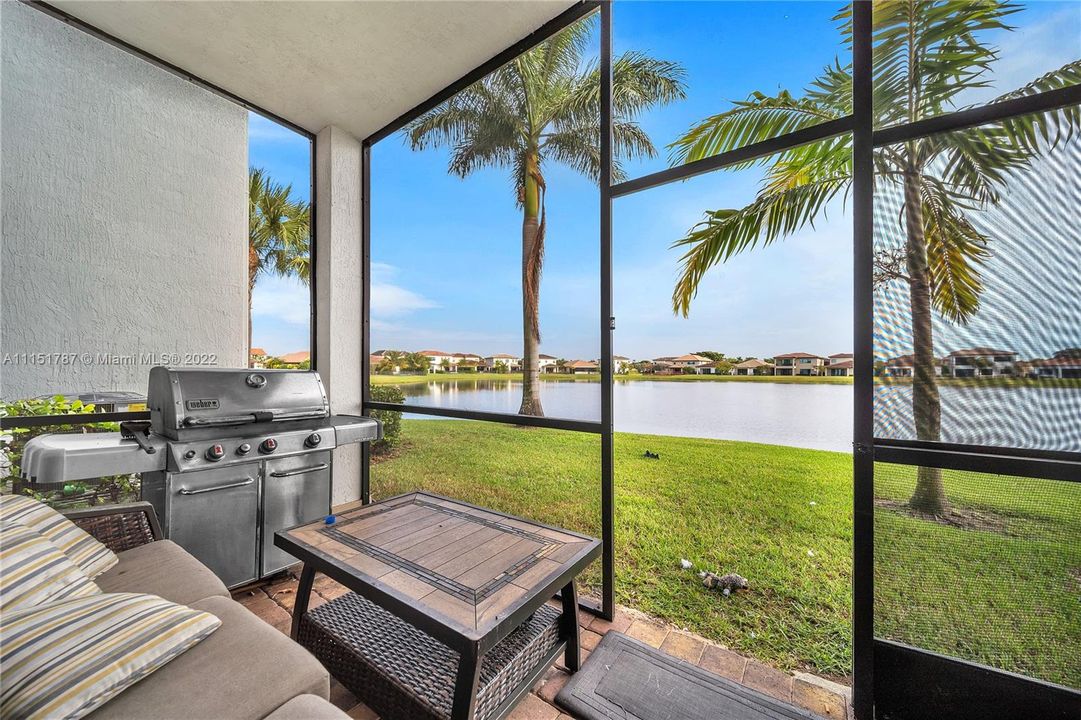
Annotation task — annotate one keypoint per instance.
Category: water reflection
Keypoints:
(799, 415)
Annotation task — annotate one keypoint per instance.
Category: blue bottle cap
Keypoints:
(330, 520)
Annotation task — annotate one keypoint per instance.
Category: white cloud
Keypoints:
(1027, 52)
(392, 300)
(285, 300)
(259, 128)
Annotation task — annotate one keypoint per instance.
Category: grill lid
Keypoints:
(187, 399)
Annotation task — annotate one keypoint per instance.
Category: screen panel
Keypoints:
(977, 281)
(970, 54)
(485, 240)
(992, 578)
(743, 78)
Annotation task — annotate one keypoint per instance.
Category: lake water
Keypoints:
(801, 415)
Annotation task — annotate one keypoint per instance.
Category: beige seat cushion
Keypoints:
(165, 569)
(307, 707)
(244, 671)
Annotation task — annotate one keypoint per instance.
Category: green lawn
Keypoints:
(747, 508)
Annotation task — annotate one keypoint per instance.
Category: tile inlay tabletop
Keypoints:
(466, 566)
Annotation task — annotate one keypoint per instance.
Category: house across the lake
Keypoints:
(511, 362)
(840, 365)
(691, 361)
(752, 366)
(296, 358)
(1057, 367)
(981, 362)
(902, 366)
(440, 361)
(580, 367)
(798, 363)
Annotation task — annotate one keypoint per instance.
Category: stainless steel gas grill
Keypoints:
(227, 458)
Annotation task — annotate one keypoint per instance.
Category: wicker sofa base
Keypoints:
(403, 673)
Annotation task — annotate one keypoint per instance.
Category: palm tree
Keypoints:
(417, 362)
(925, 55)
(544, 106)
(392, 360)
(279, 233)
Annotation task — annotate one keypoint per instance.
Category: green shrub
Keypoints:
(391, 419)
(112, 489)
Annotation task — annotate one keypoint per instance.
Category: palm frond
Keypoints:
(794, 194)
(979, 160)
(279, 229)
(758, 118)
(927, 53)
(955, 252)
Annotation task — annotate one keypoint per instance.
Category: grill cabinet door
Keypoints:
(213, 514)
(295, 490)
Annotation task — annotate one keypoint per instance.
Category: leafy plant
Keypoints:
(114, 488)
(391, 419)
(279, 233)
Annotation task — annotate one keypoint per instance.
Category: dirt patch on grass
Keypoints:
(962, 518)
(1075, 574)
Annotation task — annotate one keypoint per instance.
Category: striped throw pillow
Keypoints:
(33, 571)
(65, 659)
(91, 556)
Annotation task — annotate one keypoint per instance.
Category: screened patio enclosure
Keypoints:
(963, 395)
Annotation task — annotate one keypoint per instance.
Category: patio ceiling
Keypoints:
(357, 65)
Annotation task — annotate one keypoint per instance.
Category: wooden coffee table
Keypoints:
(448, 615)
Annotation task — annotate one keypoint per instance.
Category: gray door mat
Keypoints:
(626, 679)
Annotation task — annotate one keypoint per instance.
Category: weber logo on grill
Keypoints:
(207, 404)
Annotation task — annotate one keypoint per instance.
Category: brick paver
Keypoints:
(651, 633)
(769, 680)
(273, 604)
(684, 646)
(725, 663)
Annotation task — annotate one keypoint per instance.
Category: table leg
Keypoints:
(466, 684)
(571, 631)
(300, 603)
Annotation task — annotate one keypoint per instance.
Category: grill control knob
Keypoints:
(268, 446)
(215, 453)
(313, 440)
(243, 449)
(189, 454)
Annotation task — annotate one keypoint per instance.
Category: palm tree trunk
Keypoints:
(532, 251)
(253, 268)
(930, 494)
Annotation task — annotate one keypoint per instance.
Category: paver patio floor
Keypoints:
(273, 603)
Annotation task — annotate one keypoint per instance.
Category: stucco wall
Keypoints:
(339, 284)
(124, 214)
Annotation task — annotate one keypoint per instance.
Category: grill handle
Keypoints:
(221, 420)
(216, 421)
(200, 491)
(299, 471)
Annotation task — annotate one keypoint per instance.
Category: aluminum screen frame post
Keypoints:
(863, 363)
(608, 320)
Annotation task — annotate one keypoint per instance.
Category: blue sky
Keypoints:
(446, 252)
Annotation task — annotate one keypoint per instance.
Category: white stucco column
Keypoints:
(339, 289)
